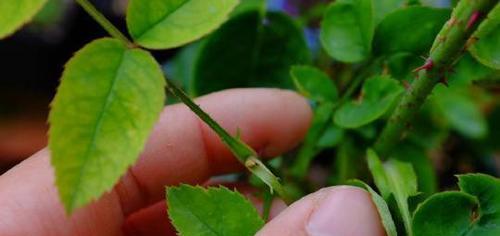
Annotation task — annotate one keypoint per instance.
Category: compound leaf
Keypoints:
(211, 212)
(109, 98)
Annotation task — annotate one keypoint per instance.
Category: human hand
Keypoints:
(182, 149)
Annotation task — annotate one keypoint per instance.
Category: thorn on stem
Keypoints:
(427, 66)
(473, 19)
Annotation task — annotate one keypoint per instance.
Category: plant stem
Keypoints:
(105, 23)
(245, 154)
(449, 45)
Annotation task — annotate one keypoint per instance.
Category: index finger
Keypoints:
(181, 149)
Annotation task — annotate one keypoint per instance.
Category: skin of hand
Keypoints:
(182, 149)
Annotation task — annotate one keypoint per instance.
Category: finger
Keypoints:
(154, 220)
(330, 211)
(181, 149)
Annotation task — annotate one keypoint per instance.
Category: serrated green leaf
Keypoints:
(382, 208)
(377, 96)
(195, 211)
(13, 14)
(314, 84)
(446, 213)
(347, 30)
(410, 29)
(397, 179)
(109, 98)
(251, 51)
(163, 24)
(487, 49)
(475, 211)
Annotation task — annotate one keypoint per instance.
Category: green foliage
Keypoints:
(475, 210)
(395, 179)
(377, 96)
(347, 30)
(252, 50)
(162, 24)
(487, 48)
(108, 101)
(212, 211)
(410, 30)
(314, 84)
(13, 14)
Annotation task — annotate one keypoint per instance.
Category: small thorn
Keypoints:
(427, 66)
(473, 19)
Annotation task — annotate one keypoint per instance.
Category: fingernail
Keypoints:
(340, 212)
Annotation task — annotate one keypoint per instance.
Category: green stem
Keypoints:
(105, 23)
(245, 154)
(449, 45)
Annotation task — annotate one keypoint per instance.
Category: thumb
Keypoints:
(341, 210)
